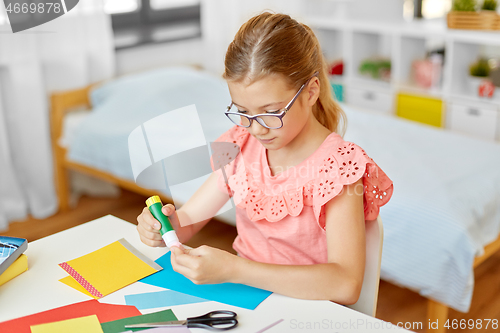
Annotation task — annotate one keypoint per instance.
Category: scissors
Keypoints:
(213, 320)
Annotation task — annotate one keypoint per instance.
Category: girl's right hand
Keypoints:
(149, 227)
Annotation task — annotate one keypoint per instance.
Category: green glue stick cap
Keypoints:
(167, 231)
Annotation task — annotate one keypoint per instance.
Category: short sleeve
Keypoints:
(226, 155)
(345, 165)
(378, 190)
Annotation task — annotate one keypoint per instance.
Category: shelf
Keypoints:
(404, 43)
(413, 48)
(435, 27)
(331, 41)
(366, 45)
(366, 83)
(338, 79)
(416, 90)
(476, 100)
(416, 28)
(475, 36)
(463, 55)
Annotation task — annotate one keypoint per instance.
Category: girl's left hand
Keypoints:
(204, 264)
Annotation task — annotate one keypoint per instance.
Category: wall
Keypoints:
(186, 52)
(220, 20)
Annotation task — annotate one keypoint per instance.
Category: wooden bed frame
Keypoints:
(61, 104)
(64, 102)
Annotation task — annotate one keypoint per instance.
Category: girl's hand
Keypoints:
(149, 227)
(204, 264)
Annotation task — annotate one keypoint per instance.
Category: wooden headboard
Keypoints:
(61, 104)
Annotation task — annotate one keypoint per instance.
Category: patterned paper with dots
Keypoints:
(108, 269)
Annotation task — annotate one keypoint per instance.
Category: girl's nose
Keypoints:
(257, 129)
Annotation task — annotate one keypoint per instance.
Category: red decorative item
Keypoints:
(337, 68)
(423, 73)
(486, 88)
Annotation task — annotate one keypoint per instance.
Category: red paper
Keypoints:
(105, 312)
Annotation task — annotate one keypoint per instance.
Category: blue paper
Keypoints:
(160, 299)
(229, 293)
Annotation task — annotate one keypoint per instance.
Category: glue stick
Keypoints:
(167, 231)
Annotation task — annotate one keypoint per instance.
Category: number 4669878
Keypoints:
(32, 8)
(471, 324)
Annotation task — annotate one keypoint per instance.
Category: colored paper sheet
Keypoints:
(118, 326)
(229, 293)
(19, 266)
(104, 312)
(69, 281)
(161, 298)
(88, 324)
(110, 268)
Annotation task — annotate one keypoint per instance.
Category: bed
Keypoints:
(442, 221)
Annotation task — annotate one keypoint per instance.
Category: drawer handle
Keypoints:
(474, 112)
(369, 95)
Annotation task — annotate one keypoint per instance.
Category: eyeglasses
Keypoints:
(271, 120)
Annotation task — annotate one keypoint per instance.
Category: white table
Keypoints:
(38, 289)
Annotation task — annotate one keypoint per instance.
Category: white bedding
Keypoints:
(446, 201)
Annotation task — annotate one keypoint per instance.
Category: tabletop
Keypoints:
(38, 289)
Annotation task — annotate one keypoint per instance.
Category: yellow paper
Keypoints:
(69, 281)
(89, 324)
(112, 267)
(19, 266)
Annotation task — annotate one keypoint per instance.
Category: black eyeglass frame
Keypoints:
(257, 116)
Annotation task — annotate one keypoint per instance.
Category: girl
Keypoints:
(302, 192)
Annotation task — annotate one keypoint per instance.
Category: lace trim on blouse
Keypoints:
(345, 165)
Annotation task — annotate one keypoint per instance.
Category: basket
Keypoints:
(483, 20)
(496, 25)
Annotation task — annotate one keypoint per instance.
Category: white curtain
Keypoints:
(69, 52)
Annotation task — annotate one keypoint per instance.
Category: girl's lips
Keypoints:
(266, 141)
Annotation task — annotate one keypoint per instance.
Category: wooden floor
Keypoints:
(395, 304)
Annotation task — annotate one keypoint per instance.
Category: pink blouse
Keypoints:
(280, 219)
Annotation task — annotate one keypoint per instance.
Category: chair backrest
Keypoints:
(367, 302)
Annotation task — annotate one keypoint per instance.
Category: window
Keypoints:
(164, 4)
(3, 16)
(137, 22)
(121, 6)
(435, 8)
(430, 9)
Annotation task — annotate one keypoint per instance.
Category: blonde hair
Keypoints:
(277, 44)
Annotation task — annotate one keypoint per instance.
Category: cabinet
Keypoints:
(450, 103)
(477, 120)
(422, 109)
(369, 98)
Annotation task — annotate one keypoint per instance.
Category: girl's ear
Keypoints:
(314, 89)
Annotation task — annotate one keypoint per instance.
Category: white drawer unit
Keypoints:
(370, 99)
(479, 121)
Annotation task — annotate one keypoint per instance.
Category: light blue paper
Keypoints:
(229, 293)
(160, 299)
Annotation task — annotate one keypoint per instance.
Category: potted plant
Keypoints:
(489, 5)
(376, 68)
(465, 15)
(478, 71)
(464, 5)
